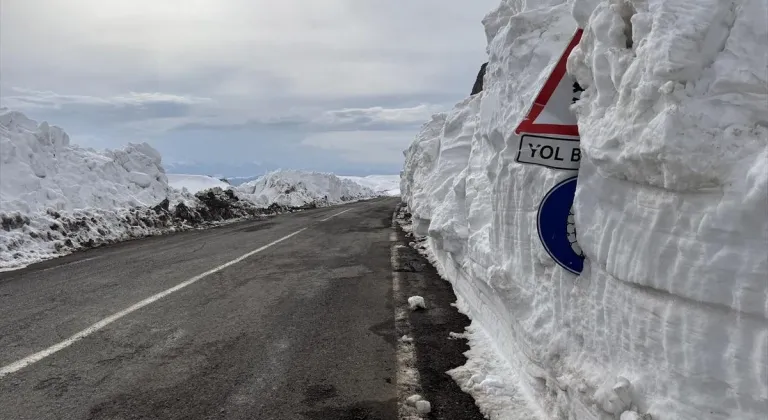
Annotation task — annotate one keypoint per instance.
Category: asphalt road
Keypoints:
(303, 329)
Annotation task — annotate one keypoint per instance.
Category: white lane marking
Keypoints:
(332, 216)
(18, 365)
(71, 263)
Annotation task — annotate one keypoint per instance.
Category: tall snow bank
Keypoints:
(40, 170)
(670, 315)
(298, 188)
(195, 183)
(56, 197)
(388, 185)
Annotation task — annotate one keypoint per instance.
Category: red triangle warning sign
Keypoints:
(550, 113)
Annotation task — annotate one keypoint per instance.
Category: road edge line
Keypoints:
(408, 378)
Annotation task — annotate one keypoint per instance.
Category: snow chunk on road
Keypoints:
(416, 302)
(423, 407)
(413, 399)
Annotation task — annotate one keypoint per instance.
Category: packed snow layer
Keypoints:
(388, 185)
(297, 188)
(195, 183)
(670, 315)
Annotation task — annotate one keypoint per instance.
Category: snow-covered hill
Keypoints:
(388, 185)
(669, 316)
(297, 188)
(195, 183)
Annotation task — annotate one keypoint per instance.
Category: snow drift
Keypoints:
(669, 317)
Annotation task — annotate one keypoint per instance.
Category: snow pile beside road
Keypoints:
(56, 197)
(195, 183)
(40, 170)
(297, 189)
(669, 317)
(388, 185)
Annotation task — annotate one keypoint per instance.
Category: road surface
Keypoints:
(302, 329)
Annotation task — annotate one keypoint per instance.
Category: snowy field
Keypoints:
(56, 197)
(668, 318)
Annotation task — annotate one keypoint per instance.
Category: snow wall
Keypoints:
(669, 317)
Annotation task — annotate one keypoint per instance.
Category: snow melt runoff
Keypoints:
(666, 316)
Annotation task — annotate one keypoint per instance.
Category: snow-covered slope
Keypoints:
(195, 183)
(669, 316)
(381, 184)
(298, 188)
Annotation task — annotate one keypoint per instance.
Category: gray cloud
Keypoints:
(241, 80)
(381, 147)
(376, 116)
(345, 119)
(121, 108)
(55, 100)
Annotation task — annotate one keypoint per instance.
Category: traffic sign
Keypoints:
(557, 227)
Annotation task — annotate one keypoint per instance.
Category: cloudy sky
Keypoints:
(237, 87)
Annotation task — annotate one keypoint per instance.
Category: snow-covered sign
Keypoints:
(549, 135)
(557, 229)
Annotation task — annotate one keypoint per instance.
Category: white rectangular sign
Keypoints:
(551, 152)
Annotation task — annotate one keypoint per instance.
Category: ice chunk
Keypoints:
(416, 302)
(413, 399)
(423, 407)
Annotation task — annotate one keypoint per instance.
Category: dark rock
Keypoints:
(13, 221)
(183, 212)
(162, 207)
(478, 87)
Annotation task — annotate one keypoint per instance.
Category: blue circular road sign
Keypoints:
(557, 228)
